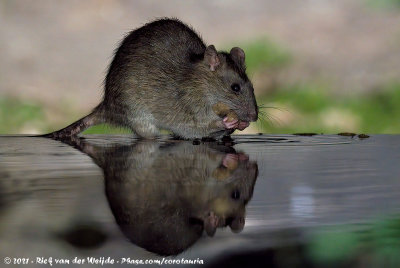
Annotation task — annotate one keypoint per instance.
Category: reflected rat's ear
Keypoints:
(237, 55)
(211, 57)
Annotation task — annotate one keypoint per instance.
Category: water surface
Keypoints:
(272, 200)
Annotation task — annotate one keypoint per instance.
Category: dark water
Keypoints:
(280, 201)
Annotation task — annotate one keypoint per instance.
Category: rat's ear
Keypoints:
(238, 56)
(211, 57)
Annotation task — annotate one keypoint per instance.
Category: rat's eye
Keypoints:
(235, 87)
(235, 195)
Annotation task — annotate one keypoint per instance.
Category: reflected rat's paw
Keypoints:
(230, 161)
(243, 157)
(211, 223)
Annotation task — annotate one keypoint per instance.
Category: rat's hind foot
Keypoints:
(145, 130)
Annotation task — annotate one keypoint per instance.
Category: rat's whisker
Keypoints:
(263, 122)
(271, 119)
(263, 107)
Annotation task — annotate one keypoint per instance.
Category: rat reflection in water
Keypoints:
(164, 195)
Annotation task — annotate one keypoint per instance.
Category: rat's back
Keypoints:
(161, 51)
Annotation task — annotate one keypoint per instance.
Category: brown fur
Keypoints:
(164, 77)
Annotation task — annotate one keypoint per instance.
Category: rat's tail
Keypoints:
(94, 118)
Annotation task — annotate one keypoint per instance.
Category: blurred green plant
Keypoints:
(376, 244)
(308, 108)
(386, 4)
(264, 54)
(18, 115)
(107, 129)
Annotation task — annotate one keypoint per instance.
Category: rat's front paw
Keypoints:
(230, 124)
(242, 125)
(234, 124)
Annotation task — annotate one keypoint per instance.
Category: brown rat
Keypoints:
(163, 76)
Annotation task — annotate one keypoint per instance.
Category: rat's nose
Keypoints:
(253, 116)
(252, 110)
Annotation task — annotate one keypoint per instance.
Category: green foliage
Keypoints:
(106, 129)
(378, 241)
(313, 109)
(17, 114)
(262, 53)
(379, 110)
(385, 4)
(333, 246)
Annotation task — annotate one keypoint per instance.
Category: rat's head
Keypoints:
(228, 83)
